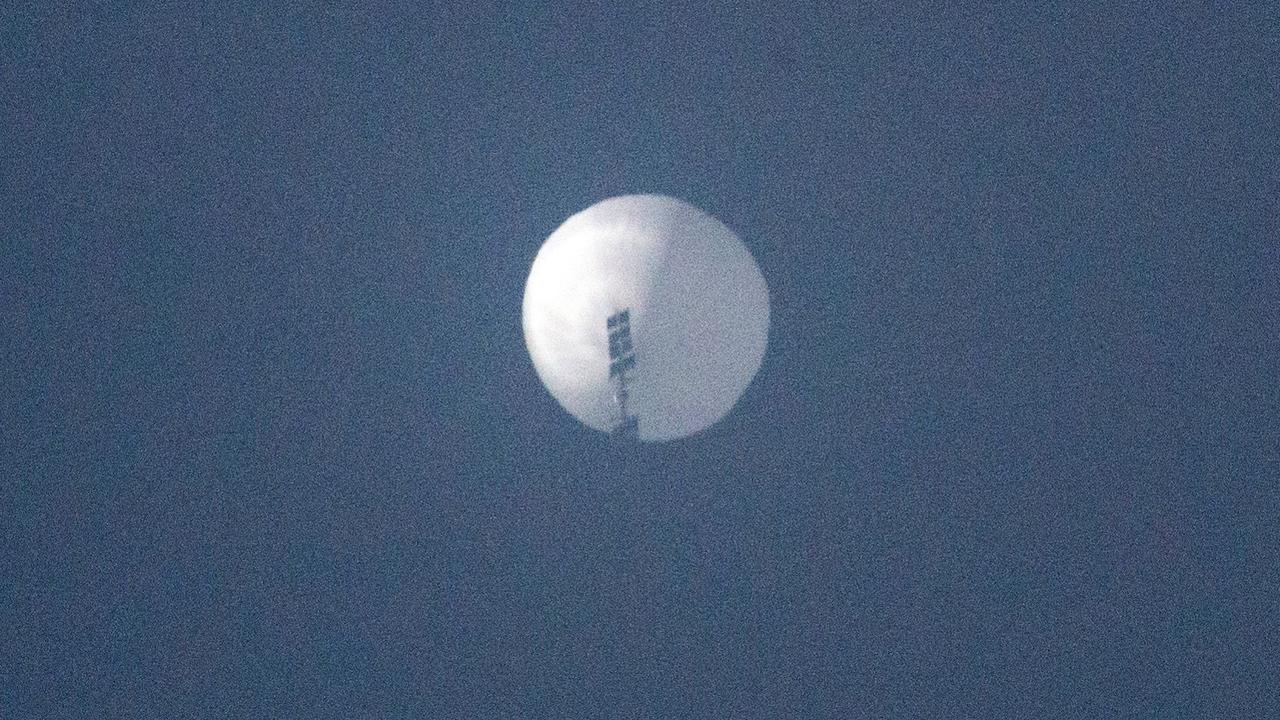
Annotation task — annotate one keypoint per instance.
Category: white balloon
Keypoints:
(699, 314)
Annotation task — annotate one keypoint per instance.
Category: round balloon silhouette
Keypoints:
(698, 311)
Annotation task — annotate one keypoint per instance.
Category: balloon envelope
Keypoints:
(699, 314)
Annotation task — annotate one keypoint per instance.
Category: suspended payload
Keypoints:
(622, 360)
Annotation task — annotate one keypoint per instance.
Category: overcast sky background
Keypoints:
(273, 447)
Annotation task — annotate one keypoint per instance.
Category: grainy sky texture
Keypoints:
(272, 445)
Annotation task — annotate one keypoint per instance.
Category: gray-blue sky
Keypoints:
(273, 446)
